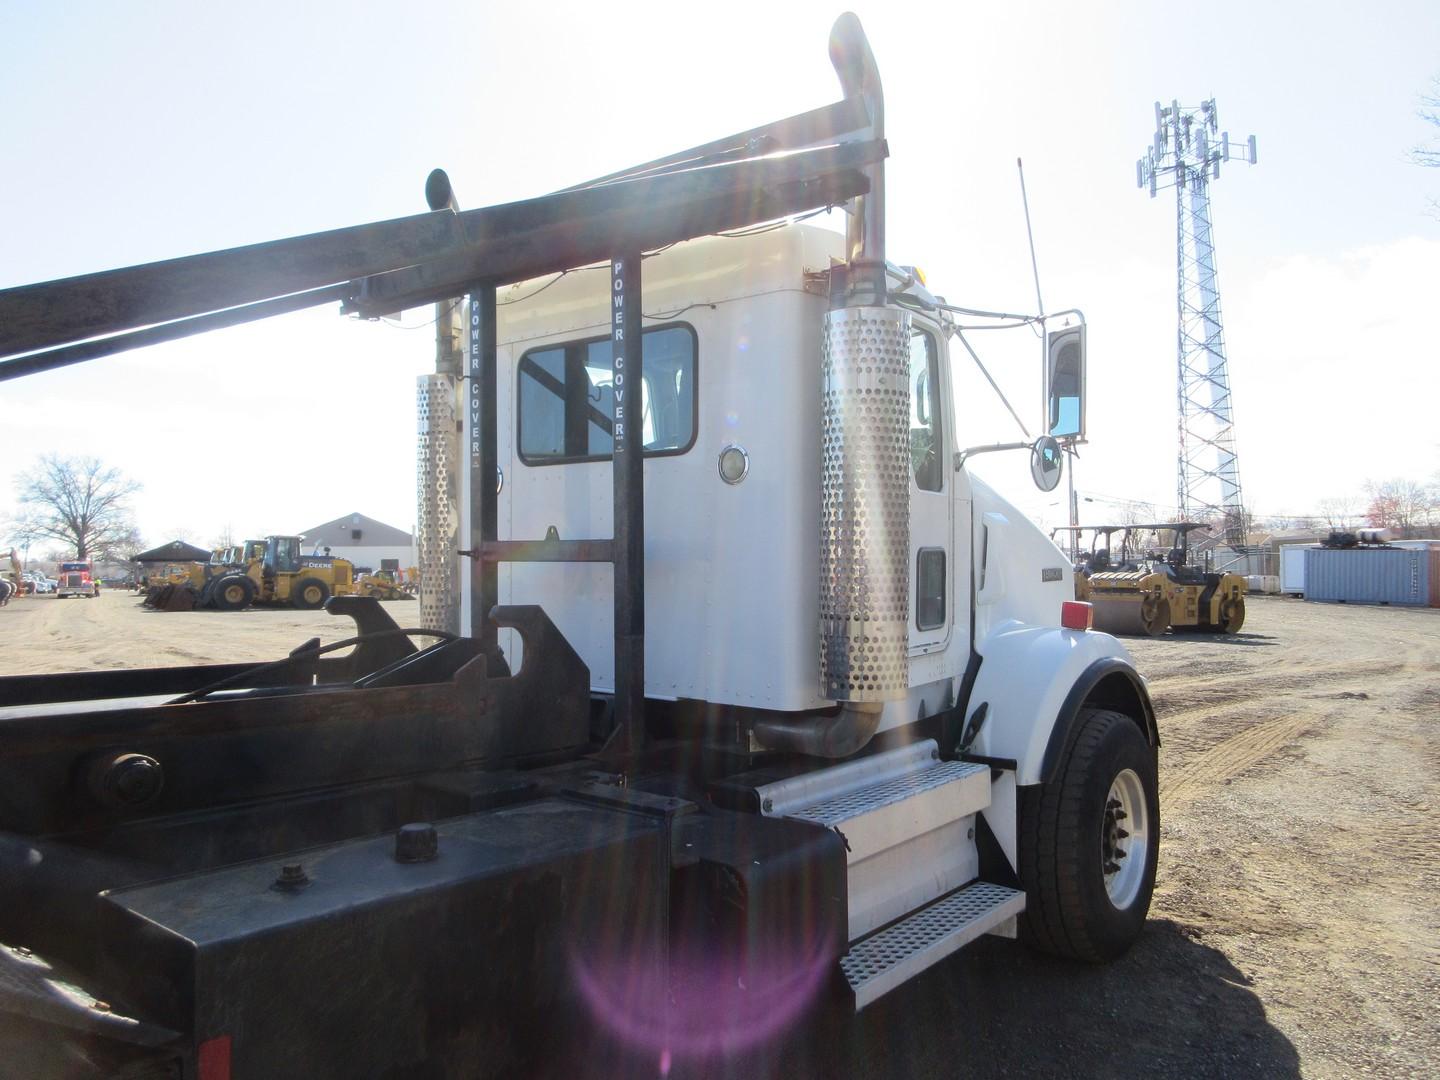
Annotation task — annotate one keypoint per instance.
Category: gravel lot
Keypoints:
(1295, 929)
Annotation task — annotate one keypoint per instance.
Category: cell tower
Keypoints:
(1186, 154)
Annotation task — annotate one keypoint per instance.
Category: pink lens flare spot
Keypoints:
(704, 1007)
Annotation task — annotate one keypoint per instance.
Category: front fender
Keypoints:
(1034, 680)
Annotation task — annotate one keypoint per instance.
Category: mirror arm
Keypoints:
(970, 451)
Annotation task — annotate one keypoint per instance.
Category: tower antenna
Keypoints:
(1186, 153)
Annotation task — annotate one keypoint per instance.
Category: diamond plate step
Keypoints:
(884, 960)
(837, 811)
(907, 838)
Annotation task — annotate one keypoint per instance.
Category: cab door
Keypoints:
(931, 503)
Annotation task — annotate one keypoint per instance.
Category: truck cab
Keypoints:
(77, 579)
(735, 476)
(752, 700)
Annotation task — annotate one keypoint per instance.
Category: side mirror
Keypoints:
(1065, 383)
(1047, 461)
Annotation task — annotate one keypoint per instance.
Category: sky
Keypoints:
(131, 133)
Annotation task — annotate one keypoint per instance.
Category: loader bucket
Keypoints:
(176, 598)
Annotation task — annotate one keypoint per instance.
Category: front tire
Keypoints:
(232, 593)
(309, 594)
(1089, 841)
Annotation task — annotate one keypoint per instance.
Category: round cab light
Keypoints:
(734, 464)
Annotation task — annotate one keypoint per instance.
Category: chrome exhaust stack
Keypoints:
(865, 465)
(859, 76)
(438, 401)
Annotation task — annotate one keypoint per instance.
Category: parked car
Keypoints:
(33, 581)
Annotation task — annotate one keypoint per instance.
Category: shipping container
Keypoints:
(1292, 568)
(1373, 575)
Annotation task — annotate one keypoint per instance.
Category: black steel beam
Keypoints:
(627, 467)
(73, 309)
(572, 551)
(481, 390)
(406, 262)
(558, 232)
(65, 355)
(827, 124)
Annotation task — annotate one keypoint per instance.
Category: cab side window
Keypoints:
(926, 440)
(568, 406)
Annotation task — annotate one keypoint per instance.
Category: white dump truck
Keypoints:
(746, 696)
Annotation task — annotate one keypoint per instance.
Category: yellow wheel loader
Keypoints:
(176, 586)
(382, 585)
(272, 571)
(284, 575)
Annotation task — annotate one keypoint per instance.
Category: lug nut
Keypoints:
(416, 842)
(292, 877)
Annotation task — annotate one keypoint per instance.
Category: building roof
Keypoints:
(174, 551)
(356, 530)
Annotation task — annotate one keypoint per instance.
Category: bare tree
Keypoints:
(1429, 156)
(79, 502)
(1403, 505)
(1341, 512)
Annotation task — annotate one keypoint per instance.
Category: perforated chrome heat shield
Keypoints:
(437, 531)
(865, 504)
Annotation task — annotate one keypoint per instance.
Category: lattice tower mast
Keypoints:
(1186, 153)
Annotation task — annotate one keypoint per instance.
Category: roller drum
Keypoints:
(1140, 615)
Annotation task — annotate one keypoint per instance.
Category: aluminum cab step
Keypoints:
(881, 962)
(907, 819)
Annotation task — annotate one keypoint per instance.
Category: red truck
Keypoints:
(77, 579)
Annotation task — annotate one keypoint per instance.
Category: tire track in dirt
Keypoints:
(1293, 677)
(1233, 756)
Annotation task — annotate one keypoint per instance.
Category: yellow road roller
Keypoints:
(1139, 591)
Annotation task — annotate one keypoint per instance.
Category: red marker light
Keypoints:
(212, 1060)
(1077, 615)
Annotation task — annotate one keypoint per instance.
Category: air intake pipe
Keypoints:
(864, 594)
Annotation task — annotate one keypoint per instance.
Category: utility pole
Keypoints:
(1186, 153)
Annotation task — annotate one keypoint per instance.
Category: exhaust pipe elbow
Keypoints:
(838, 736)
(439, 195)
(852, 58)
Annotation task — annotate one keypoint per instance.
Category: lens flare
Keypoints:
(702, 1006)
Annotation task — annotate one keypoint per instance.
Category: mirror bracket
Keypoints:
(1042, 450)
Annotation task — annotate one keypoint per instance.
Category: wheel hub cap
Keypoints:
(1124, 839)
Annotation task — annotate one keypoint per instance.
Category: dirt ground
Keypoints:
(112, 630)
(1296, 925)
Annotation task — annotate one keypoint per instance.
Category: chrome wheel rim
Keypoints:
(1124, 839)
